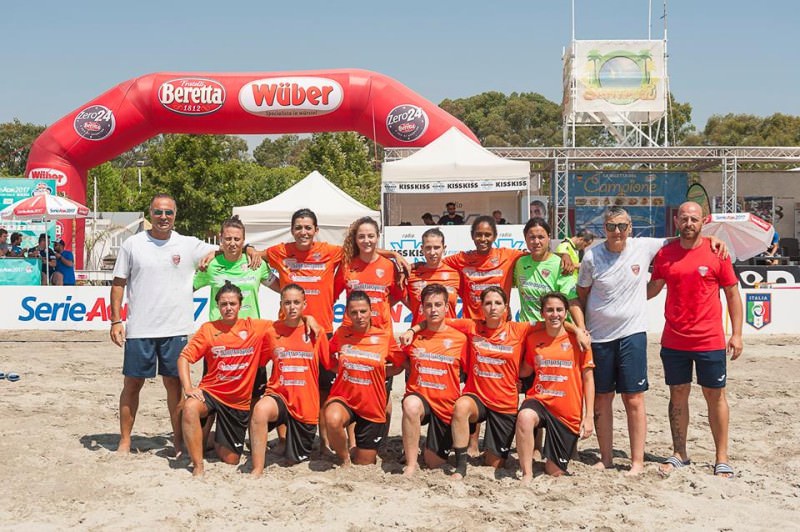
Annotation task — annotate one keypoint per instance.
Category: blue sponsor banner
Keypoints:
(649, 197)
(20, 272)
(13, 189)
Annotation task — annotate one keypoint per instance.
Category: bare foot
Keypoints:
(456, 476)
(198, 471)
(257, 472)
(635, 470)
(124, 447)
(537, 455)
(473, 452)
(409, 470)
(526, 479)
(602, 466)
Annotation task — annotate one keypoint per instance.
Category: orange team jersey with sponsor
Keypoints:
(478, 272)
(377, 279)
(558, 365)
(232, 355)
(361, 360)
(435, 360)
(420, 277)
(314, 271)
(295, 369)
(495, 357)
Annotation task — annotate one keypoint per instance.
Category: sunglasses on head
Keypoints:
(164, 212)
(622, 226)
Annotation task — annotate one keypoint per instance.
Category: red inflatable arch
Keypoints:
(372, 104)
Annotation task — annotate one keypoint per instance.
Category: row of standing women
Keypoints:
(342, 380)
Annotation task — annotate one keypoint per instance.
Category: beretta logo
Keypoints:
(49, 173)
(407, 122)
(291, 96)
(192, 96)
(95, 122)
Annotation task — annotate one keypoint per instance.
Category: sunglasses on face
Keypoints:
(163, 212)
(621, 226)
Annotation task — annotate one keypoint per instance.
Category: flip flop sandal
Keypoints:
(675, 462)
(2, 375)
(12, 377)
(723, 470)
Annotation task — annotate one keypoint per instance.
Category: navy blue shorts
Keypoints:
(143, 355)
(621, 365)
(711, 367)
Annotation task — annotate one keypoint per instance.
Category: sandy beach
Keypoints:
(58, 469)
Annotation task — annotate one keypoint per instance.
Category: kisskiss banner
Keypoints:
(460, 185)
(369, 103)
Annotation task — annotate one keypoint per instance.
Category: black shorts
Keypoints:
(560, 441)
(299, 435)
(231, 424)
(369, 434)
(326, 376)
(499, 428)
(439, 438)
(259, 384)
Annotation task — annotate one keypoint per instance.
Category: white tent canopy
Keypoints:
(267, 223)
(452, 157)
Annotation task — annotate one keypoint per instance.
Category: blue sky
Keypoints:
(725, 56)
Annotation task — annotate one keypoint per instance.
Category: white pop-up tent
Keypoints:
(452, 164)
(267, 223)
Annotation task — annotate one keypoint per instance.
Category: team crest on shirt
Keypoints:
(176, 259)
(379, 272)
(702, 270)
(244, 266)
(445, 276)
(374, 339)
(494, 261)
(243, 335)
(447, 342)
(635, 269)
(565, 346)
(545, 273)
(316, 256)
(502, 336)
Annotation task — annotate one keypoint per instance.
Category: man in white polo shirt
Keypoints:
(157, 266)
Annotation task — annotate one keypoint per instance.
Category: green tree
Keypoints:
(749, 130)
(16, 139)
(117, 189)
(345, 159)
(285, 150)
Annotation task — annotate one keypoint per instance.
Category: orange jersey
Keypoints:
(478, 272)
(558, 364)
(436, 360)
(420, 277)
(495, 357)
(361, 370)
(314, 271)
(295, 369)
(377, 279)
(232, 355)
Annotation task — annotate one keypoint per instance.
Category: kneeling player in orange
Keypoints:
(435, 358)
(361, 353)
(292, 395)
(561, 399)
(233, 349)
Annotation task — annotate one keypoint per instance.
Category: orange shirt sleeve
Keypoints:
(198, 345)
(463, 325)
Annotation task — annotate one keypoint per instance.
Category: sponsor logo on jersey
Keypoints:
(635, 269)
(702, 270)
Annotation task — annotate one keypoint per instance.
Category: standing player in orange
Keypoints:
(435, 358)
(483, 267)
(433, 270)
(311, 265)
(233, 349)
(292, 396)
(561, 400)
(363, 356)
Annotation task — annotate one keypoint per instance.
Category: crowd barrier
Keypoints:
(767, 310)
